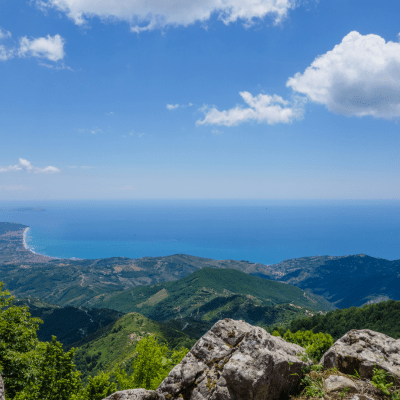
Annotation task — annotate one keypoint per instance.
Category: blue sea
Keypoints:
(257, 231)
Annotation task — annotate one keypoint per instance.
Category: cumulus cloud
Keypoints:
(147, 15)
(25, 165)
(261, 108)
(50, 47)
(359, 77)
(4, 34)
(6, 54)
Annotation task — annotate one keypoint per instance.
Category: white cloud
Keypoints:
(262, 108)
(147, 15)
(217, 132)
(16, 188)
(51, 48)
(175, 106)
(359, 77)
(6, 54)
(4, 34)
(27, 166)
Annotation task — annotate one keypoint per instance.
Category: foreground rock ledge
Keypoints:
(232, 361)
(360, 350)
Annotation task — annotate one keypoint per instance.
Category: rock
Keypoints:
(2, 393)
(235, 361)
(135, 394)
(360, 350)
(362, 397)
(337, 383)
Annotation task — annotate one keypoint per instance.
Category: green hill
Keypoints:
(114, 345)
(383, 317)
(211, 294)
(69, 324)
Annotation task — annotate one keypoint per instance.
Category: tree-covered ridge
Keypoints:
(205, 290)
(346, 281)
(115, 345)
(383, 317)
(70, 324)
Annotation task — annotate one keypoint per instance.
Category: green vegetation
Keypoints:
(34, 370)
(210, 294)
(114, 346)
(69, 324)
(151, 366)
(382, 317)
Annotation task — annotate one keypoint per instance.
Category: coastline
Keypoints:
(26, 247)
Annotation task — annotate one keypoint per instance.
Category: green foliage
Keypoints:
(276, 333)
(382, 317)
(356, 374)
(53, 374)
(379, 380)
(313, 387)
(317, 367)
(97, 388)
(113, 347)
(314, 344)
(18, 343)
(34, 370)
(151, 366)
(343, 392)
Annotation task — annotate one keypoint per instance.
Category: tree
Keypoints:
(98, 388)
(53, 374)
(315, 344)
(18, 343)
(151, 366)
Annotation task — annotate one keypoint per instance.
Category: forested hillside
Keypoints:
(114, 346)
(211, 294)
(383, 317)
(69, 324)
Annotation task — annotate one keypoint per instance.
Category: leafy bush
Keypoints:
(151, 366)
(315, 344)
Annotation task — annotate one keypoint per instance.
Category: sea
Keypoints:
(262, 231)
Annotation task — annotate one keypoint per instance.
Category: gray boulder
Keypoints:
(235, 361)
(336, 383)
(360, 350)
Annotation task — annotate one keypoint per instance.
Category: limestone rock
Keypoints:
(362, 397)
(135, 394)
(337, 383)
(235, 361)
(360, 350)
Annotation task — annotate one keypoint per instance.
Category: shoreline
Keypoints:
(27, 248)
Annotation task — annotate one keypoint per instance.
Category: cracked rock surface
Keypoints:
(238, 361)
(360, 350)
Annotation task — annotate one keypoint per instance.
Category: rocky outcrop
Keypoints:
(237, 361)
(234, 360)
(360, 350)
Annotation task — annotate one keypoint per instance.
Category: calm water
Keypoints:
(257, 231)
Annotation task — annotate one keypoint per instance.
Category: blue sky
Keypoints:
(263, 99)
